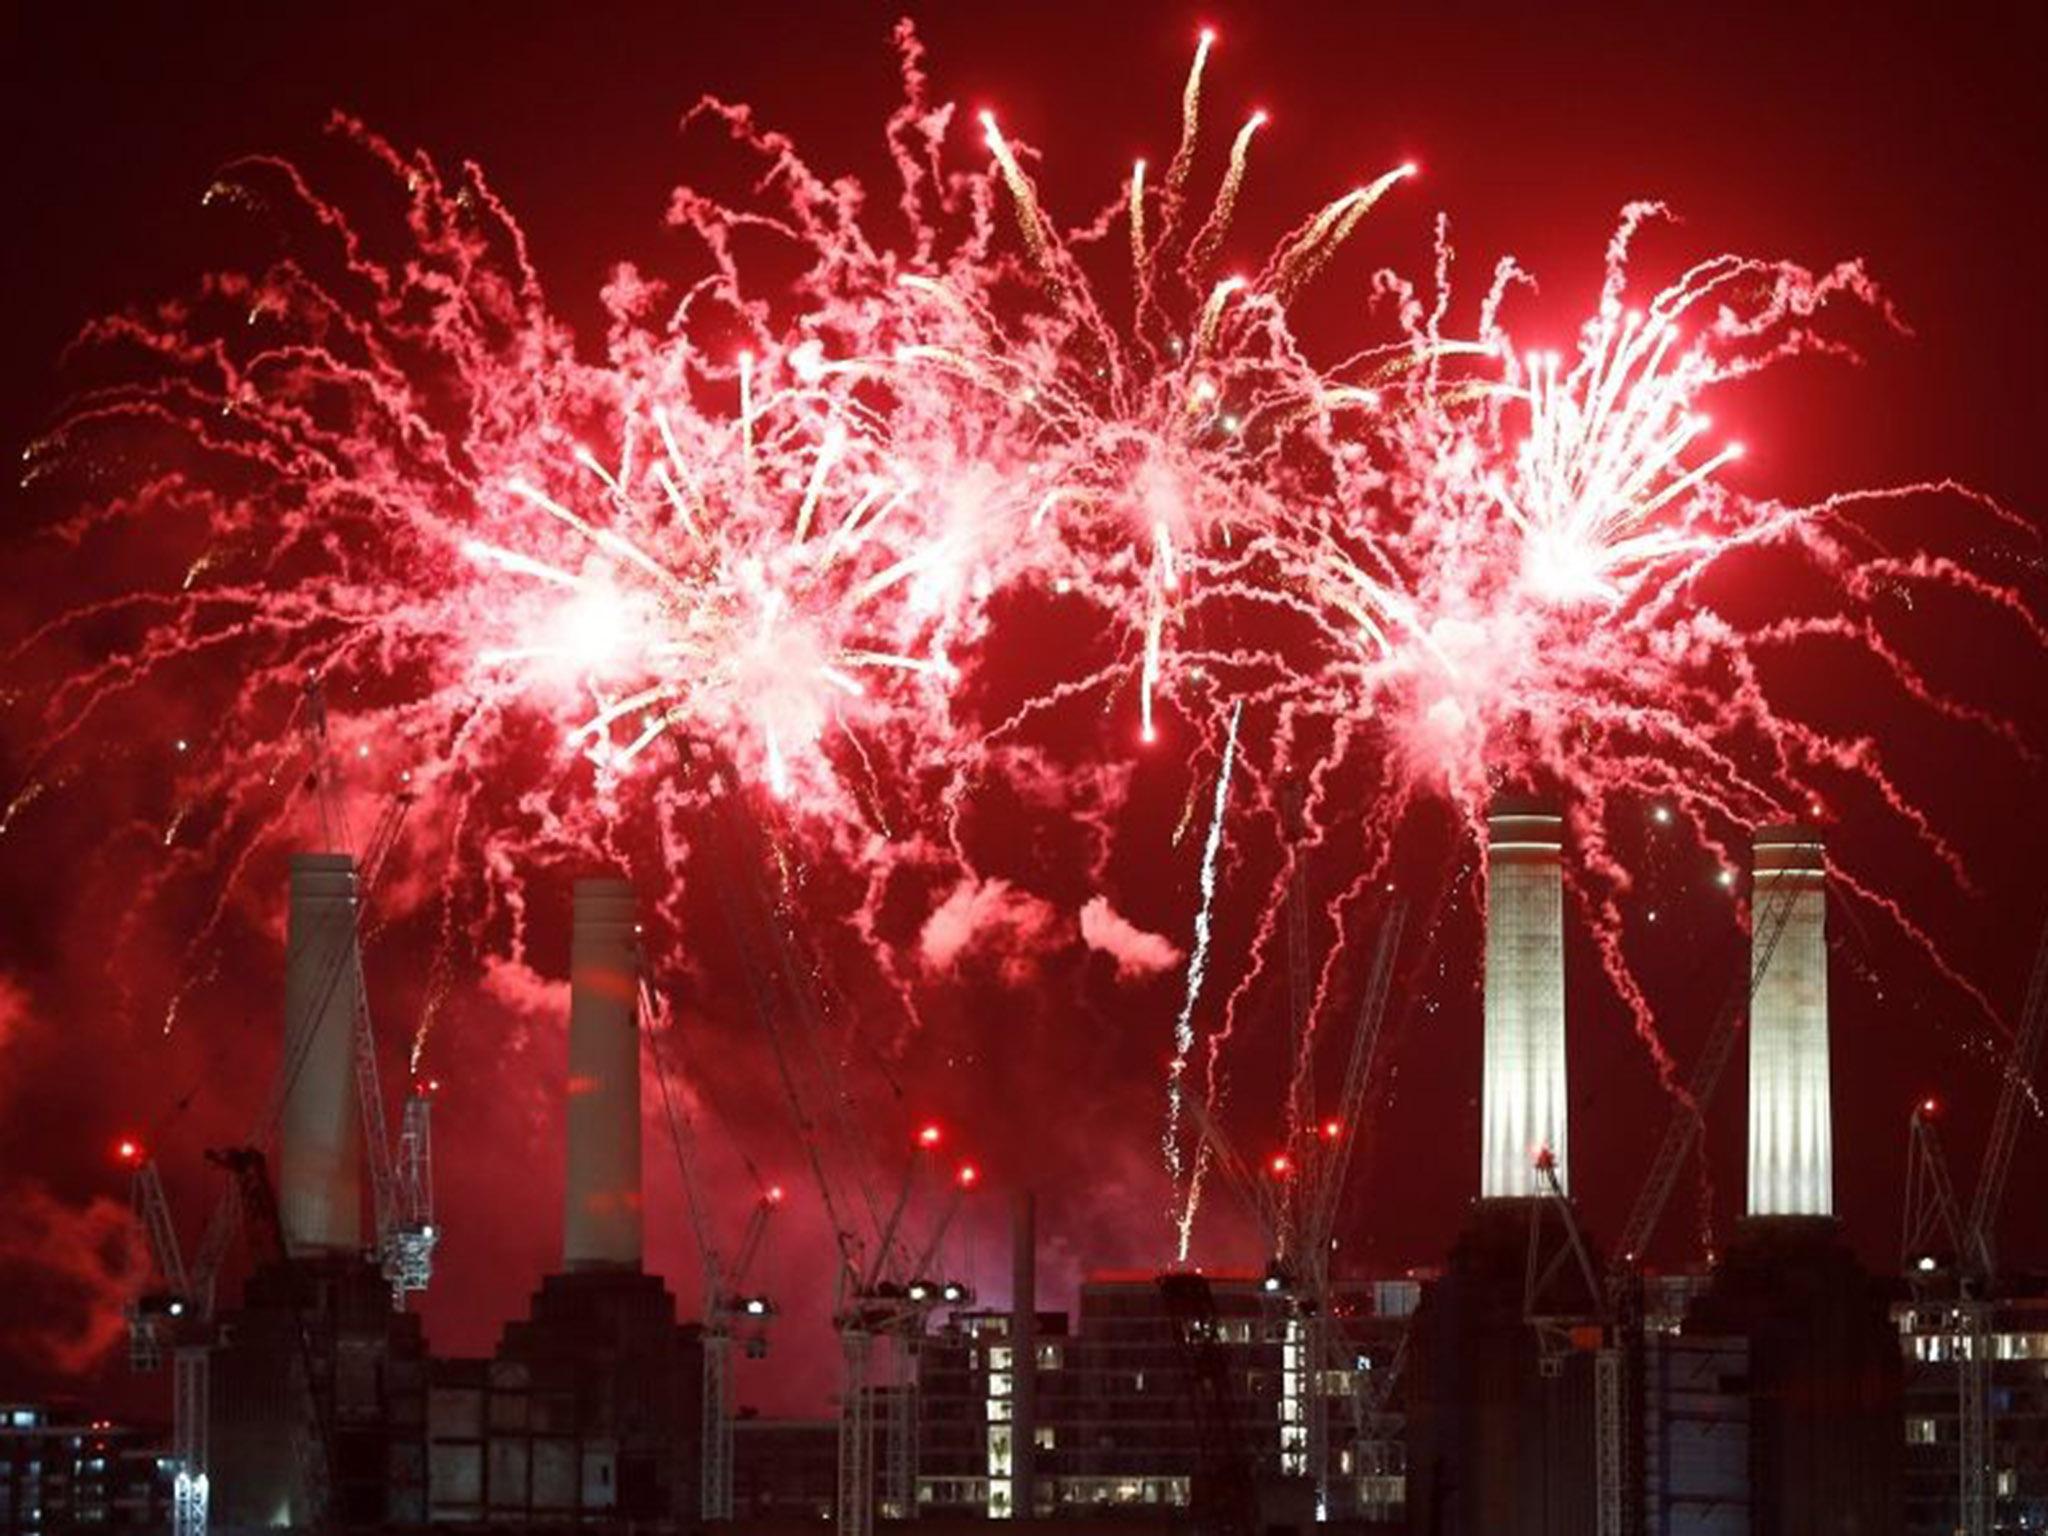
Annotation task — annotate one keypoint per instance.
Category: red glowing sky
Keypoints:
(1919, 146)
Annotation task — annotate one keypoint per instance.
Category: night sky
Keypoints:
(1920, 145)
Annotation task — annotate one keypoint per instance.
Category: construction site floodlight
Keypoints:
(954, 1291)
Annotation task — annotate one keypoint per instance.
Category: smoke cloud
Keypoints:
(68, 1271)
(1136, 952)
(987, 916)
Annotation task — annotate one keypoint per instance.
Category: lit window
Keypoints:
(1044, 1438)
(1921, 1432)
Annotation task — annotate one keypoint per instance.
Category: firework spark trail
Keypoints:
(784, 516)
(1184, 1024)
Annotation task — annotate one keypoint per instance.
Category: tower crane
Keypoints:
(730, 1310)
(1555, 1334)
(1932, 1208)
(1301, 1086)
(179, 1317)
(1932, 1211)
(1616, 1309)
(1688, 1116)
(885, 1289)
(250, 1185)
(1296, 1208)
(2015, 1092)
(401, 1178)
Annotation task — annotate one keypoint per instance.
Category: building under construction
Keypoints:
(61, 1472)
(1117, 1416)
(1938, 1340)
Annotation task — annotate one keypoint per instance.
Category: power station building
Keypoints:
(1501, 1420)
(317, 1386)
(1824, 1373)
(589, 1410)
(323, 1397)
(1766, 1399)
(1785, 1392)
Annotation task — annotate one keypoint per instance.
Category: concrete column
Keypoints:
(320, 1152)
(601, 1225)
(1523, 1089)
(1791, 1132)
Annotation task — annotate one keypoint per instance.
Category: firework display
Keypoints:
(816, 505)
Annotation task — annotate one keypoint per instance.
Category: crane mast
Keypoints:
(726, 1309)
(183, 1313)
(880, 1293)
(401, 1181)
(1932, 1211)
(1297, 1211)
(182, 1317)
(2015, 1092)
(1617, 1309)
(1688, 1117)
(1300, 992)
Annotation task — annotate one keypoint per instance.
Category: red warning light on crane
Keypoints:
(773, 1194)
(969, 1176)
(1280, 1164)
(928, 1136)
(128, 1150)
(1332, 1129)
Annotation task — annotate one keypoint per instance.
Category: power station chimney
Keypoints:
(320, 1153)
(1523, 1090)
(1791, 1135)
(601, 1226)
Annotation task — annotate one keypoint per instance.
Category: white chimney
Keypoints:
(1791, 1134)
(1523, 1090)
(320, 1156)
(601, 1226)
